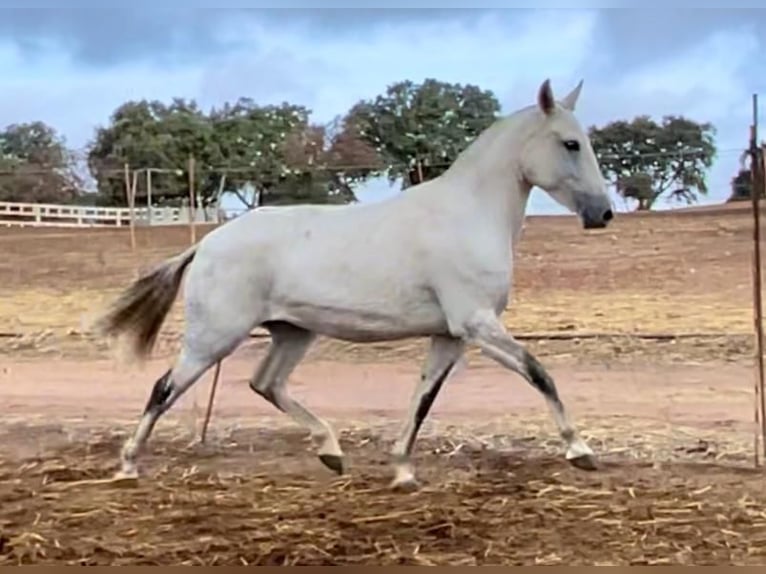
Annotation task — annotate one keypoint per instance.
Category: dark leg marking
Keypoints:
(540, 379)
(426, 401)
(268, 394)
(543, 382)
(161, 392)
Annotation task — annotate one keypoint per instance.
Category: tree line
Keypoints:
(411, 132)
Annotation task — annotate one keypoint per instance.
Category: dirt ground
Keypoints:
(671, 420)
(674, 486)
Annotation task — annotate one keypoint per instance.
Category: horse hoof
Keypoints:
(405, 485)
(584, 462)
(123, 478)
(333, 462)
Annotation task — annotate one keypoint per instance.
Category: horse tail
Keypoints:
(140, 309)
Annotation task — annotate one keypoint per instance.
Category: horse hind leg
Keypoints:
(193, 361)
(288, 347)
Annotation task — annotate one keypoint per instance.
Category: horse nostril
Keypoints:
(608, 215)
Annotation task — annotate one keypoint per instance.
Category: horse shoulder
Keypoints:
(468, 269)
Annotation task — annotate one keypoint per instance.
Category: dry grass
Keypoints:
(50, 323)
(34, 310)
(678, 273)
(260, 498)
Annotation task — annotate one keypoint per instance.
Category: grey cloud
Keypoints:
(649, 34)
(345, 19)
(97, 33)
(102, 36)
(186, 30)
(182, 32)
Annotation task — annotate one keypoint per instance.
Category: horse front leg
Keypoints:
(487, 332)
(443, 354)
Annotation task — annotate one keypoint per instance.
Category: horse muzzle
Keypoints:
(596, 216)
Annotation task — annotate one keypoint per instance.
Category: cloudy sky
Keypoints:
(71, 63)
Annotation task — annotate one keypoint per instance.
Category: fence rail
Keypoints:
(53, 215)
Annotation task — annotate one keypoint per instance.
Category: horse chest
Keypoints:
(487, 271)
(496, 286)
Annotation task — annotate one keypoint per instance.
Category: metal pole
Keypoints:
(757, 179)
(130, 194)
(759, 295)
(209, 411)
(192, 215)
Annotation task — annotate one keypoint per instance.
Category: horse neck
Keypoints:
(487, 180)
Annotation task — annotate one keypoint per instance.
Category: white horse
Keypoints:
(435, 261)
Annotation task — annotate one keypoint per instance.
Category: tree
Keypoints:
(742, 182)
(250, 141)
(741, 186)
(645, 159)
(284, 157)
(331, 160)
(35, 165)
(432, 122)
(153, 135)
(272, 149)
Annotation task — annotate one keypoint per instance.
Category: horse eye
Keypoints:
(572, 145)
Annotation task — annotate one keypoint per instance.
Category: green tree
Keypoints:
(153, 135)
(279, 153)
(742, 182)
(237, 146)
(645, 159)
(250, 141)
(430, 122)
(741, 186)
(327, 161)
(36, 166)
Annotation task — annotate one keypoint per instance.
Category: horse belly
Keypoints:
(360, 313)
(351, 279)
(363, 326)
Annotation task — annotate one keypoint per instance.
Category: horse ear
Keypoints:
(570, 101)
(545, 98)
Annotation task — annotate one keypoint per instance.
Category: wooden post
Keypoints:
(758, 288)
(149, 196)
(758, 296)
(213, 388)
(192, 214)
(192, 241)
(130, 195)
(209, 411)
(758, 182)
(221, 187)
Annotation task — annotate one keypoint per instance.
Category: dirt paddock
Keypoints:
(674, 486)
(670, 419)
(260, 499)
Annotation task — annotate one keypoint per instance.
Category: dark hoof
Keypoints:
(584, 462)
(333, 462)
(409, 485)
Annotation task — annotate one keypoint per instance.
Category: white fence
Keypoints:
(52, 215)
